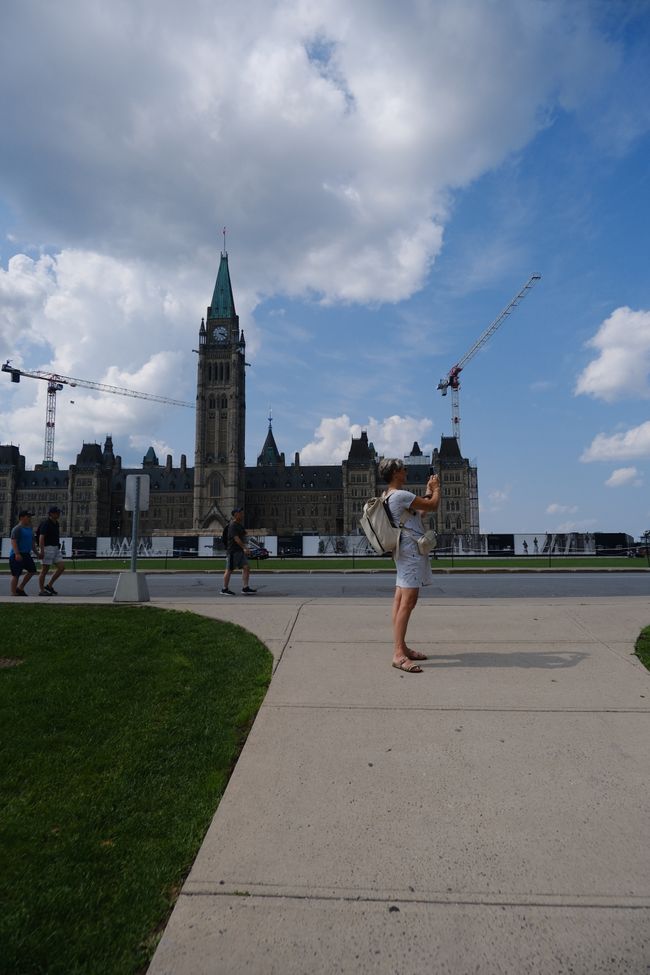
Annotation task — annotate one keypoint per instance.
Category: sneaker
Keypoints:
(19, 592)
(249, 591)
(45, 592)
(52, 591)
(227, 592)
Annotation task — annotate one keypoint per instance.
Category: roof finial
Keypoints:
(225, 252)
(270, 416)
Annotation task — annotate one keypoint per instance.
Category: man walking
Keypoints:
(20, 557)
(49, 543)
(237, 554)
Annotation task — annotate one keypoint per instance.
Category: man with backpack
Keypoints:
(237, 552)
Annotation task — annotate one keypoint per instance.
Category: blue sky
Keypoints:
(390, 176)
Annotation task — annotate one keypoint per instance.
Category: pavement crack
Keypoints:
(302, 605)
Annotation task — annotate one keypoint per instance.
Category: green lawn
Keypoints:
(338, 564)
(642, 648)
(120, 727)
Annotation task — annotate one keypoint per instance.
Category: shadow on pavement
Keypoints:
(535, 660)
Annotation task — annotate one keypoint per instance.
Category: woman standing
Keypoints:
(413, 569)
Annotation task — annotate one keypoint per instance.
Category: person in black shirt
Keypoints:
(49, 543)
(237, 554)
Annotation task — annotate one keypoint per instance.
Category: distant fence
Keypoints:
(540, 545)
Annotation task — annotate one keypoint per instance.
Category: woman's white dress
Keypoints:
(413, 569)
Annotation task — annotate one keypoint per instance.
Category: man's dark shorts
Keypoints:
(26, 564)
(237, 559)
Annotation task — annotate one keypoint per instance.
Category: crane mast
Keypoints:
(50, 419)
(55, 384)
(452, 380)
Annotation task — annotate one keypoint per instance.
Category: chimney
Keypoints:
(168, 465)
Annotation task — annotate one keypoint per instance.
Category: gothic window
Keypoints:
(224, 402)
(211, 403)
(209, 373)
(227, 372)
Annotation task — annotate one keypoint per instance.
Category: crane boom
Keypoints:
(89, 384)
(452, 381)
(55, 383)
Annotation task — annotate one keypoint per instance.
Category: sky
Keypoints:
(390, 175)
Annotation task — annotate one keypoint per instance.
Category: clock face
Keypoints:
(220, 334)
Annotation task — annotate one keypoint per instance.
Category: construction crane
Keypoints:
(451, 380)
(55, 384)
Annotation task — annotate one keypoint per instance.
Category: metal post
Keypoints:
(132, 586)
(134, 527)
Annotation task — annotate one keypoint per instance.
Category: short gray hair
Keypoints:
(388, 467)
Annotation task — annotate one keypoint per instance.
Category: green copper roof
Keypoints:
(270, 456)
(223, 303)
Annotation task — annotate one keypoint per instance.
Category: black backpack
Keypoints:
(225, 538)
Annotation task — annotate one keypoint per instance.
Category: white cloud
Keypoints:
(101, 320)
(623, 364)
(623, 476)
(498, 497)
(632, 444)
(561, 509)
(328, 136)
(392, 437)
(586, 525)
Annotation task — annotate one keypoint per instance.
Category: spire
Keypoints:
(150, 459)
(223, 303)
(270, 455)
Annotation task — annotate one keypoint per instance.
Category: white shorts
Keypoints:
(413, 569)
(52, 555)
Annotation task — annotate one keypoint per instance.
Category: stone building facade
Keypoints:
(286, 500)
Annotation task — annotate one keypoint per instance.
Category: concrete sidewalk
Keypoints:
(489, 815)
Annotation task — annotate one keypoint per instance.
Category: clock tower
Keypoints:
(220, 410)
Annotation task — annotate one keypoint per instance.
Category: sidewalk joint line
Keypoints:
(455, 710)
(472, 901)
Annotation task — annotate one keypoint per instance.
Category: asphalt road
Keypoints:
(470, 586)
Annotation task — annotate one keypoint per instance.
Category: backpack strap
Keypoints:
(405, 515)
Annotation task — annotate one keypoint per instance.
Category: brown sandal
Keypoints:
(408, 666)
(415, 654)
